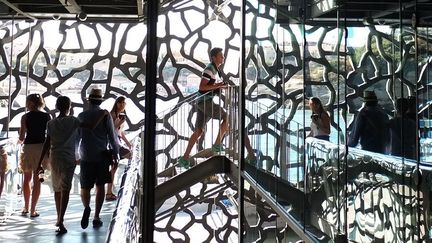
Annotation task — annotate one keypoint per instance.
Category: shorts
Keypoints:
(30, 155)
(207, 110)
(62, 172)
(92, 173)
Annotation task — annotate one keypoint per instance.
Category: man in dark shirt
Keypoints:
(95, 137)
(370, 126)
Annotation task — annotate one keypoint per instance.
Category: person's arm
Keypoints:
(123, 137)
(208, 83)
(204, 86)
(310, 134)
(117, 121)
(45, 148)
(23, 129)
(324, 122)
(113, 140)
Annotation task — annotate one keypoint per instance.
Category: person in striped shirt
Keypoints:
(210, 85)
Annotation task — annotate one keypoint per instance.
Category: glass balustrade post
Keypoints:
(267, 146)
(300, 152)
(283, 151)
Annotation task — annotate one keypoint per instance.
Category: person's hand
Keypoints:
(115, 162)
(116, 159)
(40, 170)
(122, 116)
(20, 141)
(223, 85)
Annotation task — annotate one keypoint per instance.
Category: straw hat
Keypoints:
(369, 95)
(95, 94)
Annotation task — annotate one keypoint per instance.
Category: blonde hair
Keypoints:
(36, 100)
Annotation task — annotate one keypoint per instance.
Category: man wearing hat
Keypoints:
(97, 134)
(370, 125)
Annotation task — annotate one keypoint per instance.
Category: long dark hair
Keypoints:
(318, 102)
(118, 100)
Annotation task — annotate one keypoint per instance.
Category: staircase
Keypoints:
(190, 200)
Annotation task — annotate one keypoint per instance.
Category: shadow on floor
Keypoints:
(15, 228)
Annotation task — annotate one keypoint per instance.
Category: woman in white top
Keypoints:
(320, 125)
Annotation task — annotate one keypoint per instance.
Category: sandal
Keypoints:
(34, 214)
(24, 212)
(61, 230)
(110, 197)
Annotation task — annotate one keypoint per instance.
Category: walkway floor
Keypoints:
(16, 228)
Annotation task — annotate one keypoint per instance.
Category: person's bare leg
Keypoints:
(248, 145)
(63, 206)
(85, 197)
(222, 130)
(35, 193)
(193, 139)
(26, 190)
(57, 199)
(2, 177)
(110, 185)
(100, 196)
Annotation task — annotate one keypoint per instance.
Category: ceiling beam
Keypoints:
(140, 8)
(71, 6)
(16, 9)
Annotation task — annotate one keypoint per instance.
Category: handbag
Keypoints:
(124, 152)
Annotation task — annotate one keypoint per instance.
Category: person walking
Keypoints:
(206, 108)
(62, 142)
(370, 126)
(97, 133)
(118, 114)
(32, 136)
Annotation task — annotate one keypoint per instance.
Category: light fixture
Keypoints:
(81, 16)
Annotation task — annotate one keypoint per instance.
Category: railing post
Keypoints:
(241, 122)
(283, 152)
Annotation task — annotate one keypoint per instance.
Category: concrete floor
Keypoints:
(15, 228)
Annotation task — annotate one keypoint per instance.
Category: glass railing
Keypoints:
(10, 198)
(125, 224)
(185, 206)
(278, 144)
(175, 127)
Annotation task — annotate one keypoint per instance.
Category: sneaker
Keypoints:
(184, 163)
(251, 159)
(211, 180)
(97, 223)
(218, 148)
(85, 217)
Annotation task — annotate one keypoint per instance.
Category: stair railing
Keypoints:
(175, 126)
